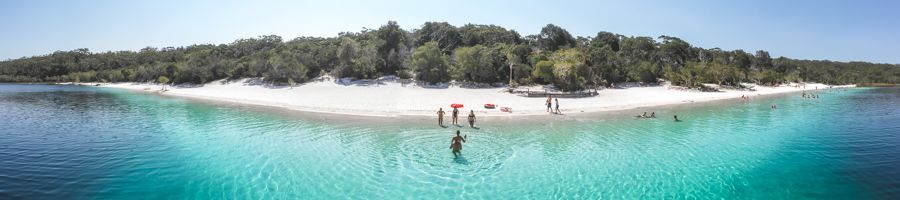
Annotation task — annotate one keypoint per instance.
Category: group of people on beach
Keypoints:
(455, 116)
(549, 104)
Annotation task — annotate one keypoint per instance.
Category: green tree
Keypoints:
(569, 69)
(487, 35)
(163, 80)
(446, 35)
(553, 37)
(430, 64)
(395, 40)
(543, 71)
(480, 64)
(356, 61)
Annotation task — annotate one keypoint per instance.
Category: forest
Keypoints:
(439, 52)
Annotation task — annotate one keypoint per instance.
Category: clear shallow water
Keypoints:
(92, 143)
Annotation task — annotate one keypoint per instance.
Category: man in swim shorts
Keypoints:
(440, 114)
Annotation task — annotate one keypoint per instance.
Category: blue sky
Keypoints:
(807, 29)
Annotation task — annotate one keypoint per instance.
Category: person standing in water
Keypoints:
(472, 118)
(440, 114)
(456, 144)
(549, 103)
(455, 115)
(557, 106)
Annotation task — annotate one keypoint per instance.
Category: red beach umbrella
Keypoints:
(456, 105)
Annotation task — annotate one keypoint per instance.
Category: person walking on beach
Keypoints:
(557, 106)
(472, 118)
(456, 144)
(549, 103)
(455, 115)
(440, 114)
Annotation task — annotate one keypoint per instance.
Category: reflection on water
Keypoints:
(84, 142)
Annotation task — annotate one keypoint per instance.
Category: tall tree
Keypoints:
(553, 38)
(446, 35)
(430, 64)
(395, 40)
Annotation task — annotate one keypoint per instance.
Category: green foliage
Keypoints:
(390, 53)
(516, 60)
(553, 38)
(569, 69)
(162, 80)
(356, 61)
(430, 64)
(446, 35)
(473, 34)
(644, 71)
(480, 64)
(605, 40)
(543, 71)
(481, 53)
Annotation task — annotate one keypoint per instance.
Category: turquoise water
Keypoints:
(91, 143)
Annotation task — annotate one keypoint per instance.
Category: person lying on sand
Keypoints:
(456, 144)
(472, 118)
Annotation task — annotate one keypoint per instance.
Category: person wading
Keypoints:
(456, 144)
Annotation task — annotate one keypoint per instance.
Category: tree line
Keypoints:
(440, 52)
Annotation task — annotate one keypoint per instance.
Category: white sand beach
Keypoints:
(394, 98)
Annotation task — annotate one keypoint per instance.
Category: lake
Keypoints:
(78, 142)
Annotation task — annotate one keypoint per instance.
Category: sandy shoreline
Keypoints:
(394, 99)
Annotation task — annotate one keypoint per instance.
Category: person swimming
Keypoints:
(676, 118)
(440, 114)
(472, 118)
(456, 144)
